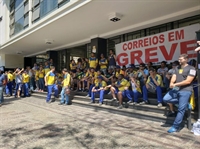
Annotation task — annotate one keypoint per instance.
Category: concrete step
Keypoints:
(147, 112)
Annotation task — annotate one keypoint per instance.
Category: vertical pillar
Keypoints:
(198, 73)
(29, 61)
(30, 13)
(54, 56)
(101, 46)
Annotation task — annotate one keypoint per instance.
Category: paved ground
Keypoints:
(32, 124)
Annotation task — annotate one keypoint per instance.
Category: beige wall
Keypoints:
(2, 59)
(13, 61)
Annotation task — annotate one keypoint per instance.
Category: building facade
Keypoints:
(36, 30)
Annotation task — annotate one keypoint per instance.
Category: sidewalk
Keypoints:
(31, 123)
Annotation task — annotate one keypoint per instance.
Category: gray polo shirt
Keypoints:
(181, 75)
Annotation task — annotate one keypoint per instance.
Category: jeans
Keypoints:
(101, 95)
(9, 88)
(1, 94)
(181, 98)
(41, 83)
(50, 88)
(166, 82)
(159, 91)
(18, 87)
(26, 89)
(64, 97)
(135, 94)
(31, 83)
(90, 90)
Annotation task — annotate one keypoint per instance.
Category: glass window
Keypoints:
(47, 6)
(18, 3)
(19, 13)
(19, 25)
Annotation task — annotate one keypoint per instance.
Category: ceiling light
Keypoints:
(114, 17)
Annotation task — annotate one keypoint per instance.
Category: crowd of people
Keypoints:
(103, 76)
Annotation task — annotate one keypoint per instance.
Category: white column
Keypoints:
(30, 12)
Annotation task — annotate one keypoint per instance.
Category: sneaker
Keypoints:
(130, 101)
(135, 103)
(100, 103)
(172, 130)
(0, 105)
(171, 114)
(91, 102)
(50, 101)
(159, 105)
(120, 107)
(143, 102)
(109, 93)
(87, 96)
(114, 99)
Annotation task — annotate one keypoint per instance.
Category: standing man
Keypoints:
(181, 84)
(2, 83)
(50, 79)
(103, 64)
(18, 80)
(66, 88)
(112, 60)
(25, 80)
(9, 84)
(93, 61)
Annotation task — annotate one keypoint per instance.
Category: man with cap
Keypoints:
(2, 83)
(99, 88)
(66, 88)
(118, 71)
(25, 80)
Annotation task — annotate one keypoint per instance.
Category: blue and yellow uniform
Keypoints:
(51, 78)
(103, 63)
(25, 80)
(9, 84)
(93, 61)
(66, 86)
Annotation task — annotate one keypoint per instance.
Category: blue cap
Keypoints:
(100, 77)
(131, 66)
(118, 67)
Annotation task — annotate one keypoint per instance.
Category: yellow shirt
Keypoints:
(66, 81)
(46, 70)
(124, 84)
(10, 77)
(72, 66)
(41, 73)
(93, 61)
(158, 79)
(103, 63)
(25, 78)
(102, 84)
(118, 73)
(36, 75)
(50, 78)
(138, 88)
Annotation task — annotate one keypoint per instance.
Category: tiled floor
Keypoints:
(33, 124)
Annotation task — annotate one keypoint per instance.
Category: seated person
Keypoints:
(120, 88)
(135, 90)
(91, 81)
(99, 88)
(163, 69)
(154, 84)
(83, 80)
(168, 75)
(77, 77)
(118, 71)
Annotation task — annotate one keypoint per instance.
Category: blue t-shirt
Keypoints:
(2, 78)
